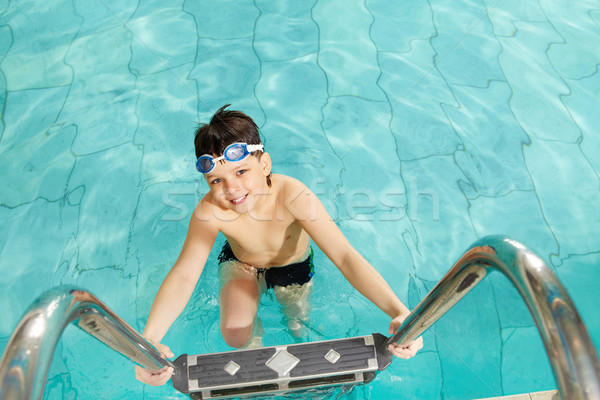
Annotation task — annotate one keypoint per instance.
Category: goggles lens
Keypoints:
(233, 152)
(205, 164)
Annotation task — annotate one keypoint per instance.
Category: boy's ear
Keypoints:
(265, 163)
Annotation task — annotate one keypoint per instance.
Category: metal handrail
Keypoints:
(28, 354)
(27, 357)
(570, 350)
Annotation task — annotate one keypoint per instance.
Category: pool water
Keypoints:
(421, 125)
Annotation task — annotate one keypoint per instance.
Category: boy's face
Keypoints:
(238, 185)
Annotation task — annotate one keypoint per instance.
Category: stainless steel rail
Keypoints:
(27, 357)
(28, 354)
(570, 350)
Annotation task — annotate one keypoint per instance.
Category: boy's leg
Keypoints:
(238, 304)
(295, 302)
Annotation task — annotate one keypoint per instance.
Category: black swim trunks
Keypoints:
(292, 274)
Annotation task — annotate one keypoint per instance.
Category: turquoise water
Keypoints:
(421, 126)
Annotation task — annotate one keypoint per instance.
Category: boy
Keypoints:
(267, 220)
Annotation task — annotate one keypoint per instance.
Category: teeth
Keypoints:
(238, 200)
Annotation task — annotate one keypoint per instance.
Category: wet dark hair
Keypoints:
(227, 127)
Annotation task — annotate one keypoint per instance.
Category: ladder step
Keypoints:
(279, 368)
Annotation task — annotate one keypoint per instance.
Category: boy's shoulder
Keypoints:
(295, 195)
(288, 186)
(285, 179)
(206, 208)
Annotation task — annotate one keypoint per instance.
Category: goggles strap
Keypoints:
(254, 147)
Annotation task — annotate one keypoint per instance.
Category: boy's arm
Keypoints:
(310, 213)
(179, 284)
(315, 220)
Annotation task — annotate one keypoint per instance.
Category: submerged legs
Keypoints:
(238, 304)
(296, 305)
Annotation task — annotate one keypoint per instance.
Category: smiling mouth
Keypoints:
(239, 200)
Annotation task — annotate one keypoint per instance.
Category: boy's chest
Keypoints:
(272, 232)
(263, 241)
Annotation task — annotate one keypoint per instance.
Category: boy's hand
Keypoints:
(408, 350)
(156, 377)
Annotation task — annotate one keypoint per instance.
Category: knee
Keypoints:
(237, 334)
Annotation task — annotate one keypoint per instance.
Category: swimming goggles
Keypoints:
(233, 152)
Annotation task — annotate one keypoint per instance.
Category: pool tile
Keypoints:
(540, 112)
(578, 53)
(163, 212)
(415, 94)
(464, 37)
(225, 72)
(39, 63)
(166, 106)
(503, 18)
(357, 130)
(491, 156)
(511, 308)
(580, 103)
(103, 15)
(101, 80)
(152, 50)
(214, 20)
(6, 43)
(564, 195)
(35, 154)
(285, 30)
(437, 209)
(537, 373)
(580, 276)
(346, 53)
(293, 119)
(25, 240)
(394, 28)
(393, 260)
(469, 346)
(518, 215)
(102, 237)
(399, 381)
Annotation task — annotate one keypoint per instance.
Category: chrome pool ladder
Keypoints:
(574, 361)
(28, 354)
(570, 350)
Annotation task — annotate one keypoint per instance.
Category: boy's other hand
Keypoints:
(408, 350)
(156, 377)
